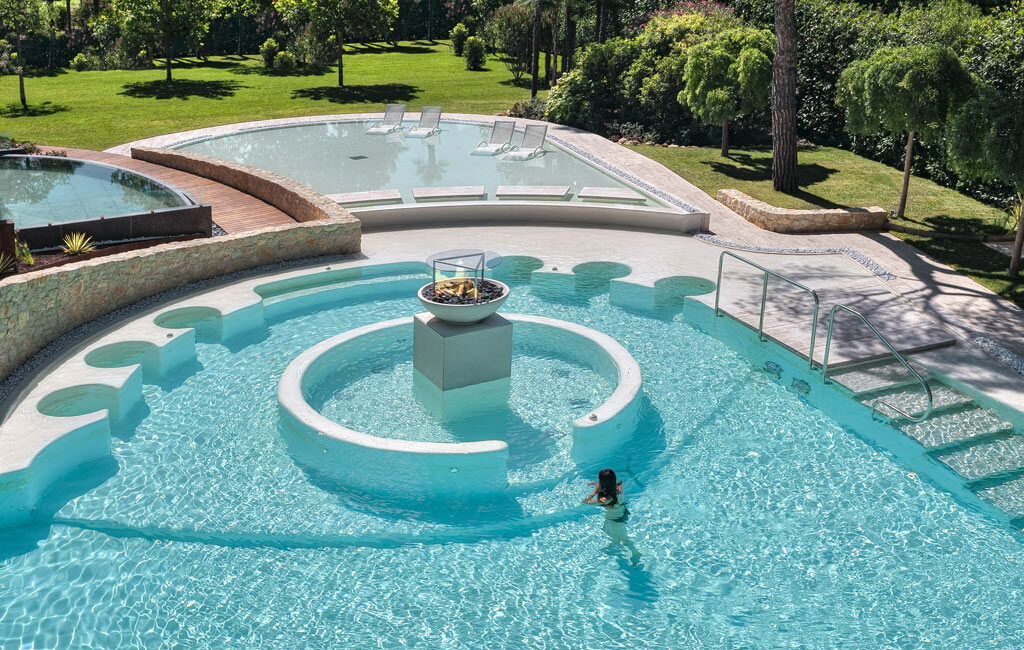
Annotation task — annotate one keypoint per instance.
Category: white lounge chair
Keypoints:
(430, 121)
(501, 139)
(532, 144)
(393, 114)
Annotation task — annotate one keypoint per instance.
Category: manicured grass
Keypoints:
(99, 109)
(835, 178)
(831, 178)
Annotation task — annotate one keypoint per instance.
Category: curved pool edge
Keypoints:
(445, 470)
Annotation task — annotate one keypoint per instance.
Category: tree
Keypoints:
(911, 90)
(985, 140)
(20, 17)
(784, 178)
(165, 22)
(346, 18)
(510, 26)
(728, 76)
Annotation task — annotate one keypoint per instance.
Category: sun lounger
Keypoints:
(430, 121)
(393, 114)
(501, 139)
(532, 144)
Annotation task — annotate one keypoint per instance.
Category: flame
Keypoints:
(459, 287)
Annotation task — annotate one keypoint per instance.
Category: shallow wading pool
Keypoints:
(341, 157)
(761, 521)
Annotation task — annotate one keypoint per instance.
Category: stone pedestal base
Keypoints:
(455, 356)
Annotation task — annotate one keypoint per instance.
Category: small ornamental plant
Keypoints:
(476, 53)
(77, 243)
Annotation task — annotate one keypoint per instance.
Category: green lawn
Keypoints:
(96, 110)
(834, 178)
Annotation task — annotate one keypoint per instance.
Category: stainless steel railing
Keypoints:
(899, 357)
(768, 273)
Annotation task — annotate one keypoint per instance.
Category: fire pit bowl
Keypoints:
(464, 310)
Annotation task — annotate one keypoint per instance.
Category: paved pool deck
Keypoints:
(988, 327)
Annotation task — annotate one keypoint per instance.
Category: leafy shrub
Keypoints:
(80, 62)
(284, 62)
(7, 263)
(77, 243)
(534, 108)
(269, 51)
(591, 95)
(510, 29)
(476, 53)
(459, 34)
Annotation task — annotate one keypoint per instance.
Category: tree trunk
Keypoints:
(570, 38)
(21, 73)
(602, 15)
(238, 29)
(341, 54)
(534, 51)
(906, 175)
(1018, 244)
(725, 139)
(430, 20)
(784, 178)
(554, 47)
(547, 68)
(167, 53)
(67, 10)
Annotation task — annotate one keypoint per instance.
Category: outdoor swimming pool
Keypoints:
(38, 190)
(761, 521)
(340, 157)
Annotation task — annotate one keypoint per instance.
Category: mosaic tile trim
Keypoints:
(578, 151)
(855, 255)
(1000, 353)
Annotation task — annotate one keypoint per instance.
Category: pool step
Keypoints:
(989, 460)
(1007, 496)
(955, 427)
(870, 379)
(911, 399)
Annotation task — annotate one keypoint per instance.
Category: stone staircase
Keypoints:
(973, 441)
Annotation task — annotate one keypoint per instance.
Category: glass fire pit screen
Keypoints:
(460, 273)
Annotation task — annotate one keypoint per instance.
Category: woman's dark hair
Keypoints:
(607, 487)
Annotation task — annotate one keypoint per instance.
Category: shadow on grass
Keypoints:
(958, 225)
(358, 93)
(384, 48)
(307, 71)
(33, 110)
(181, 89)
(745, 167)
(522, 83)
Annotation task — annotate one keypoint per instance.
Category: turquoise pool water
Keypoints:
(761, 522)
(37, 190)
(338, 157)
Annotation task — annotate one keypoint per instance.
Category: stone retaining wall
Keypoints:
(36, 308)
(294, 199)
(776, 219)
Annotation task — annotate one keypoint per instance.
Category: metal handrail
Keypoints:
(764, 298)
(899, 357)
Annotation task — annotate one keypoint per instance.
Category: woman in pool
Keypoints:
(608, 494)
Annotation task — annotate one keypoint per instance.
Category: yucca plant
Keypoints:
(1014, 214)
(23, 253)
(7, 263)
(77, 243)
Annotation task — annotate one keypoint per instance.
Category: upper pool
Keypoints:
(340, 157)
(39, 190)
